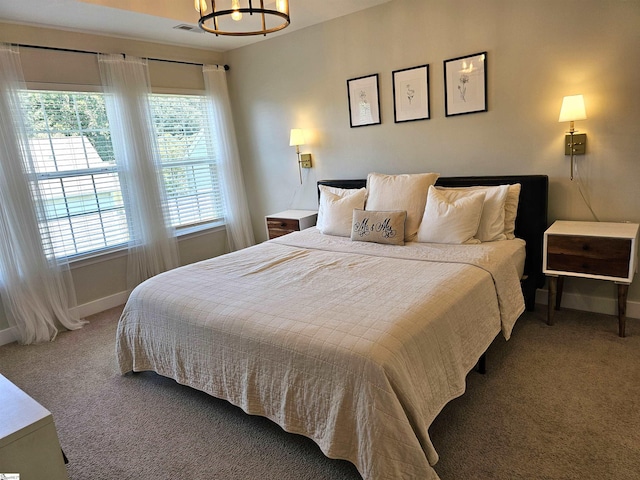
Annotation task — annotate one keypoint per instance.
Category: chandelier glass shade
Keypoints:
(242, 18)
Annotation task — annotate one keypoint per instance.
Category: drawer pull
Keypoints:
(283, 224)
(585, 246)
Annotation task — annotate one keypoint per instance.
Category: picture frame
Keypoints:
(411, 94)
(364, 101)
(465, 84)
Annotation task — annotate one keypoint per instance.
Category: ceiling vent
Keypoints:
(188, 28)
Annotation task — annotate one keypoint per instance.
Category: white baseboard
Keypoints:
(576, 301)
(9, 335)
(102, 304)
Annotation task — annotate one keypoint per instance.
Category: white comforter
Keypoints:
(355, 345)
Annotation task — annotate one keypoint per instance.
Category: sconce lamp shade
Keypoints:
(572, 109)
(296, 138)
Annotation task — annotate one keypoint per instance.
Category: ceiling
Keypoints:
(154, 20)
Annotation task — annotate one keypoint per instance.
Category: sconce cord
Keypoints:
(574, 166)
(582, 194)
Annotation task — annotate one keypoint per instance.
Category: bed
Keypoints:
(356, 345)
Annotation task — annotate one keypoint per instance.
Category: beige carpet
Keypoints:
(559, 402)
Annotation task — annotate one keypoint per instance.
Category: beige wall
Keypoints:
(47, 69)
(538, 52)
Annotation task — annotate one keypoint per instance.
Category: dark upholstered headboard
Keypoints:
(531, 221)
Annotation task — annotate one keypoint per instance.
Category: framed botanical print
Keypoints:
(364, 101)
(411, 94)
(465, 84)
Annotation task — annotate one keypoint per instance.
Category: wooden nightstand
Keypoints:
(600, 250)
(289, 221)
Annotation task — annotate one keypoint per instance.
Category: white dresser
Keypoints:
(29, 443)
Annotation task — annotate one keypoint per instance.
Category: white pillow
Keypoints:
(401, 192)
(492, 222)
(451, 221)
(335, 211)
(511, 210)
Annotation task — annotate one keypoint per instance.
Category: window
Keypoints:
(71, 147)
(74, 163)
(188, 165)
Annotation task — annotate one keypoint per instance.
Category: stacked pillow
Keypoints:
(484, 218)
(406, 192)
(511, 210)
(398, 208)
(336, 208)
(451, 218)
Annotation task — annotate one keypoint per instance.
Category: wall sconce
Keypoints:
(573, 109)
(295, 140)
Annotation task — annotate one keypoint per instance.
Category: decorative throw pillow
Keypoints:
(378, 227)
(406, 192)
(336, 209)
(451, 221)
(491, 226)
(511, 210)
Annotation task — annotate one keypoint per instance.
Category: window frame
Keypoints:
(188, 229)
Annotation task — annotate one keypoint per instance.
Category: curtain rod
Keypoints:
(58, 49)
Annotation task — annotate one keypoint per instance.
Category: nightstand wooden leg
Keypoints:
(623, 290)
(559, 292)
(551, 300)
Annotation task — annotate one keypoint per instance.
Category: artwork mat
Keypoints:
(360, 116)
(405, 110)
(469, 96)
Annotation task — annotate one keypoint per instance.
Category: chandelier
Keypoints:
(228, 17)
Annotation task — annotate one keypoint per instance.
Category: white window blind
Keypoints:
(188, 163)
(73, 159)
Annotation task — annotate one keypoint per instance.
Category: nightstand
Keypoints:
(289, 221)
(600, 250)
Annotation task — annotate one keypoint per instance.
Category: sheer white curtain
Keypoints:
(37, 292)
(152, 247)
(237, 217)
